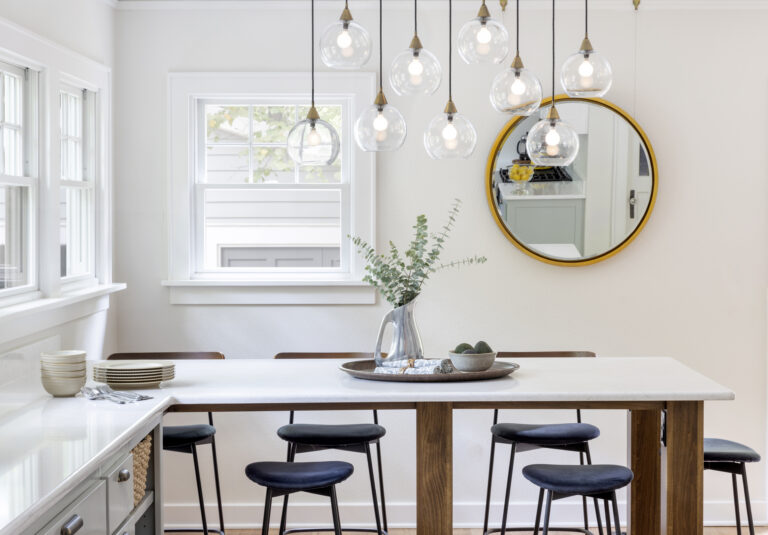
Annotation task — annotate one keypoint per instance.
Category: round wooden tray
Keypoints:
(363, 369)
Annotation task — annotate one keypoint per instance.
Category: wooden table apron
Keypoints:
(666, 496)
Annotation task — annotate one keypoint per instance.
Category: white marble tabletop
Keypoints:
(50, 445)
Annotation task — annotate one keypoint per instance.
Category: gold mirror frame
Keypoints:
(501, 140)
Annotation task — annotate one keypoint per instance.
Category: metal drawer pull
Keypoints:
(123, 475)
(72, 525)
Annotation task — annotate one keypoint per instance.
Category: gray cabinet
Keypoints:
(546, 221)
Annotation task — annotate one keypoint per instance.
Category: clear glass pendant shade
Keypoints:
(552, 142)
(516, 91)
(586, 75)
(345, 45)
(415, 72)
(313, 142)
(380, 128)
(450, 136)
(483, 40)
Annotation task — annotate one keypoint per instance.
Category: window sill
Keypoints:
(29, 317)
(269, 292)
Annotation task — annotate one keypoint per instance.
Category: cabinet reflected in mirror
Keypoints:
(587, 211)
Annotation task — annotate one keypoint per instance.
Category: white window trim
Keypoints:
(56, 64)
(185, 90)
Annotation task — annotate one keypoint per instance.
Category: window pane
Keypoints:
(267, 228)
(226, 124)
(71, 124)
(321, 174)
(76, 231)
(271, 124)
(272, 165)
(12, 151)
(12, 99)
(226, 164)
(13, 236)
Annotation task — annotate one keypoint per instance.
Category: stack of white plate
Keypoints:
(122, 374)
(63, 372)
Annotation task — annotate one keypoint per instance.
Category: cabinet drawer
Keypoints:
(88, 516)
(120, 493)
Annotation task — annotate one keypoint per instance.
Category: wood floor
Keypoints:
(707, 531)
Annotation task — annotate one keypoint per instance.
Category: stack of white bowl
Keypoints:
(63, 372)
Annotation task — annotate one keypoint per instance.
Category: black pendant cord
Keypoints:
(553, 53)
(517, 27)
(586, 18)
(381, 47)
(415, 19)
(312, 32)
(450, 51)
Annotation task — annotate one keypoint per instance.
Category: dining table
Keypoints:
(663, 398)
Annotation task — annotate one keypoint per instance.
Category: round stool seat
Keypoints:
(721, 450)
(331, 435)
(180, 438)
(583, 480)
(298, 476)
(546, 434)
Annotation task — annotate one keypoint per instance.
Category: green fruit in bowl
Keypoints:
(482, 347)
(470, 351)
(461, 348)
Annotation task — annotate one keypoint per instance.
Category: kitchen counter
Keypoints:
(542, 190)
(52, 444)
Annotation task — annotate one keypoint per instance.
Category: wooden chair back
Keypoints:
(342, 355)
(544, 354)
(169, 355)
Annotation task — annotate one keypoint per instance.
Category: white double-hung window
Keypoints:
(77, 183)
(18, 180)
(248, 224)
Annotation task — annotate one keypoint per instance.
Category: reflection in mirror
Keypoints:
(583, 212)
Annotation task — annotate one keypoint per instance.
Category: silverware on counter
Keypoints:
(105, 392)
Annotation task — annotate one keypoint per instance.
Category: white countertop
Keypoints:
(50, 445)
(540, 191)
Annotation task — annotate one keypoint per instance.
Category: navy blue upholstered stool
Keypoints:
(598, 481)
(282, 479)
(573, 437)
(186, 438)
(731, 457)
(358, 438)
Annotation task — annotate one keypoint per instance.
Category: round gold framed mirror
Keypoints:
(585, 212)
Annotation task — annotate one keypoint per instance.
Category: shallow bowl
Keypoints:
(477, 362)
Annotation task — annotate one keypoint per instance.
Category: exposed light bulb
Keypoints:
(415, 67)
(518, 87)
(313, 138)
(449, 132)
(586, 69)
(380, 123)
(484, 35)
(552, 137)
(344, 40)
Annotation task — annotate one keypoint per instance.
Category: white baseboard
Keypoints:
(403, 514)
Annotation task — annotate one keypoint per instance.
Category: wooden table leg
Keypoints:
(684, 468)
(644, 494)
(434, 478)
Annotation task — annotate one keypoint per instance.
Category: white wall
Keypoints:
(692, 286)
(85, 27)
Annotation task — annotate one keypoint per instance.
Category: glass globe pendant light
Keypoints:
(345, 44)
(516, 90)
(450, 134)
(482, 39)
(552, 142)
(416, 70)
(313, 141)
(586, 73)
(381, 127)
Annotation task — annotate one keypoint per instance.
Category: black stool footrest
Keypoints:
(330, 530)
(197, 530)
(530, 529)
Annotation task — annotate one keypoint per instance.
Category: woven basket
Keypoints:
(141, 456)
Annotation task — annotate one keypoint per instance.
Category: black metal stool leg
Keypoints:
(607, 517)
(616, 514)
(284, 514)
(538, 512)
(373, 488)
(597, 507)
(513, 447)
(490, 483)
(736, 503)
(267, 512)
(747, 499)
(584, 498)
(546, 512)
(335, 512)
(381, 488)
(216, 476)
(199, 489)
